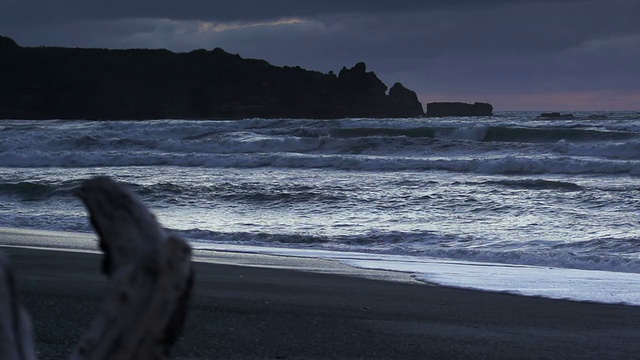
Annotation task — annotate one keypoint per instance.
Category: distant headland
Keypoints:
(77, 83)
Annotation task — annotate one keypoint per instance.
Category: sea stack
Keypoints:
(405, 101)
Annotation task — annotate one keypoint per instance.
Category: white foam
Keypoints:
(556, 283)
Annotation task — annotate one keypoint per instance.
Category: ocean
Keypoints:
(504, 203)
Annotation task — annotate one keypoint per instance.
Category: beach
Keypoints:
(266, 310)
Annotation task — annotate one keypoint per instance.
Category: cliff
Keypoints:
(74, 83)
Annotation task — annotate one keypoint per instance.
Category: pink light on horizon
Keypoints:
(559, 101)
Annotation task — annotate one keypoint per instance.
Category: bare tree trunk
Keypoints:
(150, 282)
(150, 278)
(16, 337)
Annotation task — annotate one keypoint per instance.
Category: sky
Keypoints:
(539, 55)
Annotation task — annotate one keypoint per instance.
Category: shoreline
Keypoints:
(581, 285)
(248, 312)
(63, 241)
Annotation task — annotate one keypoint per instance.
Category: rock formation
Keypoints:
(7, 43)
(406, 101)
(556, 116)
(150, 280)
(73, 83)
(459, 109)
(150, 275)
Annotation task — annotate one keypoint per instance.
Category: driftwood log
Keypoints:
(150, 280)
(16, 337)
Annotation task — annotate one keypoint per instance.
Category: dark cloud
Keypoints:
(42, 11)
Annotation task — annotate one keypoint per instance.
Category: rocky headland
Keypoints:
(76, 83)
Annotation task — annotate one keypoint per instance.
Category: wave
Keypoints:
(278, 136)
(609, 254)
(509, 164)
(537, 184)
(627, 150)
(552, 135)
(246, 238)
(484, 133)
(381, 132)
(32, 191)
(237, 192)
(497, 146)
(589, 255)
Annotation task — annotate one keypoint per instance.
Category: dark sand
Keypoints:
(243, 312)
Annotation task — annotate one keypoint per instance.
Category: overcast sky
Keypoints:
(515, 54)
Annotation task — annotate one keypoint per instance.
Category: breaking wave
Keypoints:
(588, 255)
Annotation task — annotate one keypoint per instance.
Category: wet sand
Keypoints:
(256, 312)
